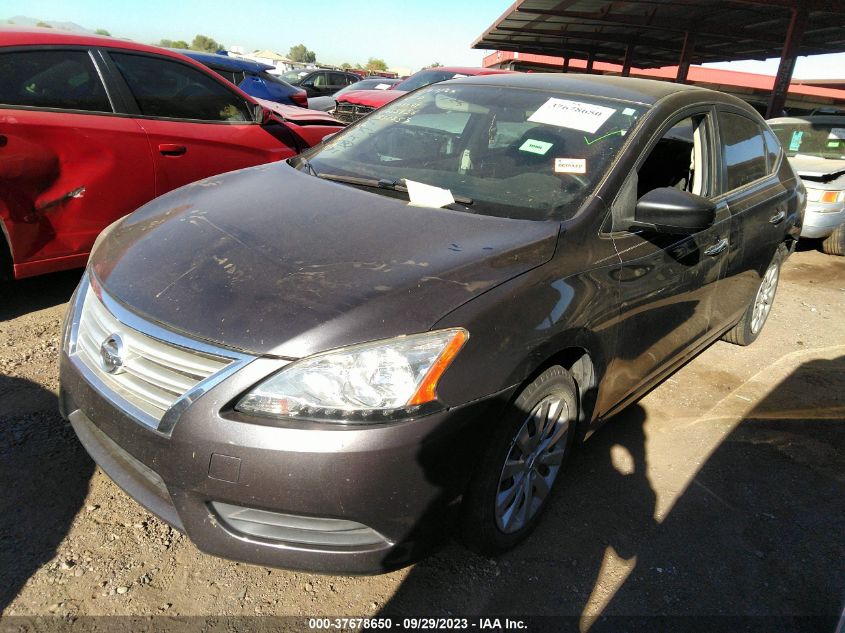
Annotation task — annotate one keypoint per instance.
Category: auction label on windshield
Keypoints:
(575, 115)
(535, 147)
(570, 165)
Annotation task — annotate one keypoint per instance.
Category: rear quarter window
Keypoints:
(64, 79)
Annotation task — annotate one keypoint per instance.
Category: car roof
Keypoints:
(645, 91)
(811, 118)
(48, 37)
(469, 70)
(224, 61)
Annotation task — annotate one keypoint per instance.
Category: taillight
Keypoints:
(300, 98)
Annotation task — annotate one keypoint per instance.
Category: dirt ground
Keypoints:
(720, 493)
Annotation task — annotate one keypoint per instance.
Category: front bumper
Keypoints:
(397, 480)
(821, 219)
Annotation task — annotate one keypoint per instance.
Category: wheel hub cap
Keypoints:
(532, 464)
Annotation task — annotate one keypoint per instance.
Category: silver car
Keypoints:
(815, 146)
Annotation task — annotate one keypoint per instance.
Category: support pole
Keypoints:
(629, 55)
(566, 64)
(791, 46)
(686, 55)
(590, 59)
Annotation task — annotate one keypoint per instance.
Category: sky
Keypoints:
(407, 34)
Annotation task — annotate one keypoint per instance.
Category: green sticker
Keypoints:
(795, 141)
(833, 143)
(535, 147)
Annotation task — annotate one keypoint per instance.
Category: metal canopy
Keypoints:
(652, 33)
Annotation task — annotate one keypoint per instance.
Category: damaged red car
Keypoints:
(92, 127)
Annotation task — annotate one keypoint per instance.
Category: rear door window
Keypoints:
(65, 79)
(743, 149)
(173, 90)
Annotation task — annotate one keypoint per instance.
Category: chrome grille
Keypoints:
(349, 112)
(153, 374)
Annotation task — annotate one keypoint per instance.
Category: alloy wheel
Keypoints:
(765, 297)
(532, 464)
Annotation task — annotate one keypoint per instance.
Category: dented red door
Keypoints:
(63, 178)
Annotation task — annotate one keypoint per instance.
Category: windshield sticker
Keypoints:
(535, 147)
(795, 141)
(382, 86)
(837, 133)
(629, 112)
(575, 115)
(570, 165)
(422, 195)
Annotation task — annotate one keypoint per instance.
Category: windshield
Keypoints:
(366, 84)
(503, 151)
(273, 79)
(825, 140)
(425, 78)
(294, 75)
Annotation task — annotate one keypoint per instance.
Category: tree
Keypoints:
(44, 25)
(102, 32)
(205, 44)
(300, 53)
(373, 63)
(435, 65)
(173, 44)
(346, 65)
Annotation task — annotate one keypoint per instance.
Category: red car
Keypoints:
(91, 128)
(355, 104)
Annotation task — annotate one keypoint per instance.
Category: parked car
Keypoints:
(91, 128)
(815, 146)
(355, 104)
(433, 305)
(321, 82)
(327, 103)
(252, 78)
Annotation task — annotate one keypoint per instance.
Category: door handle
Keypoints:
(777, 218)
(170, 149)
(717, 248)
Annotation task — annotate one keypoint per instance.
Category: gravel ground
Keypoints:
(720, 493)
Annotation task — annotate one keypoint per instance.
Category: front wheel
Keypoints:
(751, 324)
(834, 244)
(514, 480)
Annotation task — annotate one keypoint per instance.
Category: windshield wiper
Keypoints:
(382, 183)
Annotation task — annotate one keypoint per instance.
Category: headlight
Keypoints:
(364, 383)
(825, 196)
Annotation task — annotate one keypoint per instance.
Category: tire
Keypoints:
(834, 244)
(490, 526)
(751, 324)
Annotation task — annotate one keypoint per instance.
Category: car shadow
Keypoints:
(757, 531)
(45, 474)
(36, 293)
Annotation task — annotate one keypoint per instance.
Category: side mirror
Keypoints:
(262, 115)
(674, 212)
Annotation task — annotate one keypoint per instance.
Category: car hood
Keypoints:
(374, 98)
(271, 260)
(816, 168)
(301, 116)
